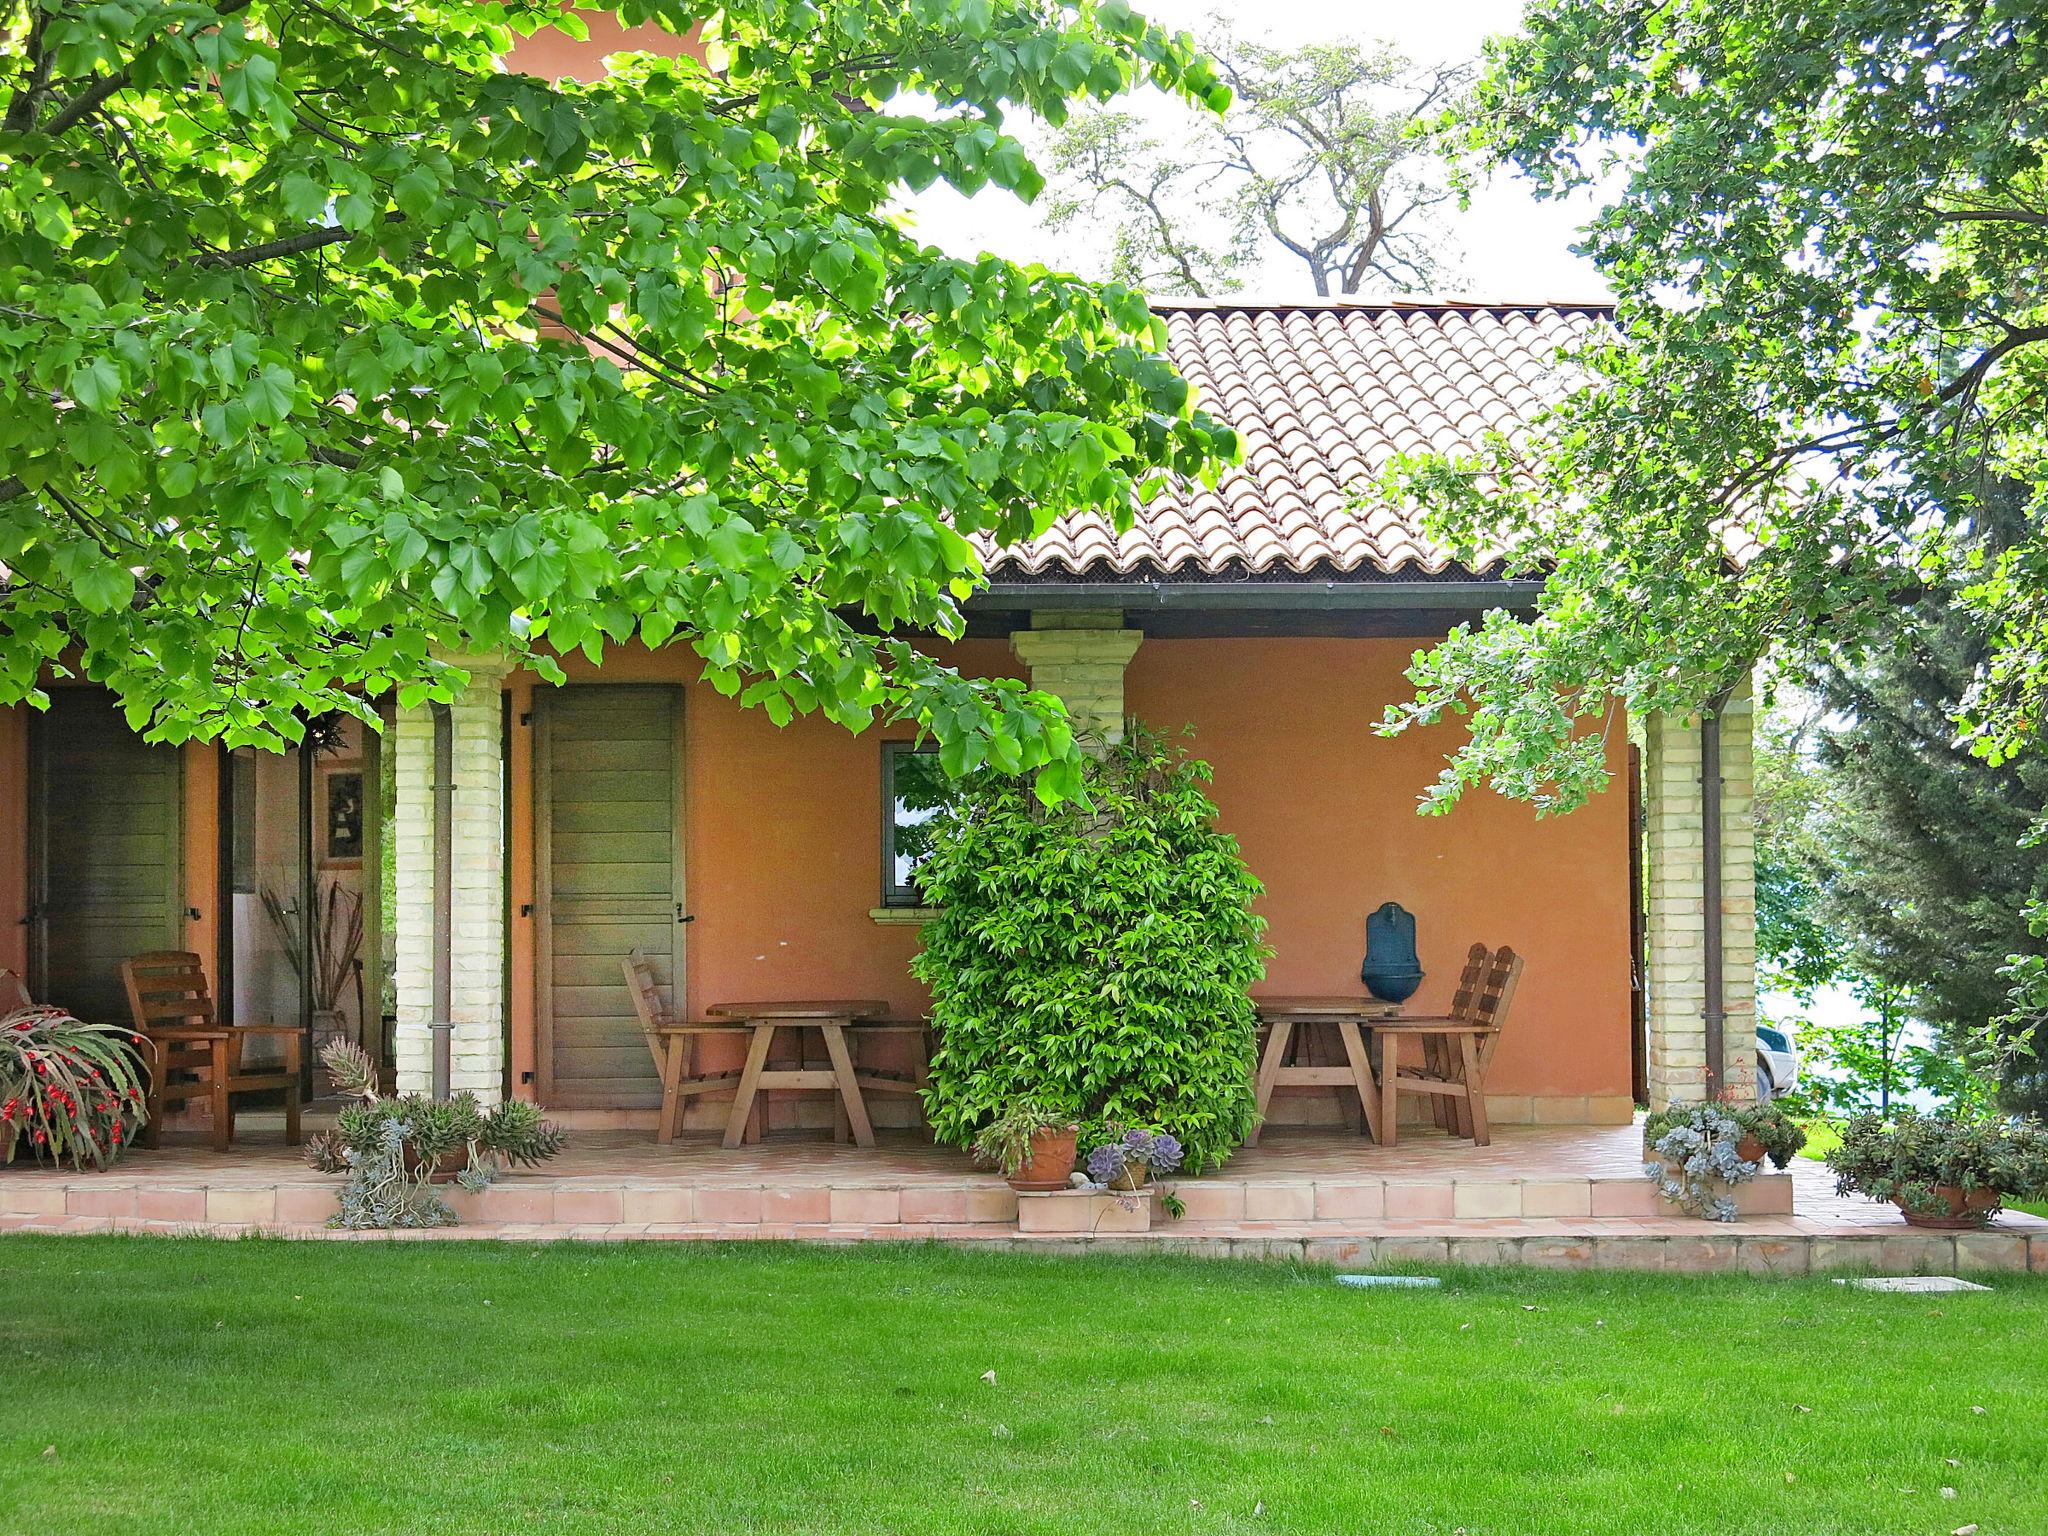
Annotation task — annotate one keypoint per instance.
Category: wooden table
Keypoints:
(831, 1017)
(1290, 1020)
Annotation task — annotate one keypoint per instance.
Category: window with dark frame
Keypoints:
(914, 790)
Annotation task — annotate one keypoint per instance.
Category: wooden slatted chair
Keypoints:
(672, 1043)
(1457, 1048)
(194, 1055)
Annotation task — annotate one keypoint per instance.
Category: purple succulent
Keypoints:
(1158, 1151)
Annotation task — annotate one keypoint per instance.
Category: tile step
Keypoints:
(1333, 1204)
(1756, 1245)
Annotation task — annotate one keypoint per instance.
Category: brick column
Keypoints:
(477, 926)
(1676, 937)
(1080, 656)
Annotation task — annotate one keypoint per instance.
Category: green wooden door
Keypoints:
(107, 852)
(608, 867)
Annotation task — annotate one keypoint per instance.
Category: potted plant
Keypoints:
(1945, 1172)
(1130, 1161)
(68, 1089)
(1031, 1144)
(1769, 1131)
(1764, 1131)
(331, 948)
(1695, 1157)
(394, 1150)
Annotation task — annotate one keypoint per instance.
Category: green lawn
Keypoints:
(200, 1387)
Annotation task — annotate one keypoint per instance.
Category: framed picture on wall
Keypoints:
(338, 815)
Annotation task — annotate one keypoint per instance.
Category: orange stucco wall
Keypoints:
(1324, 810)
(783, 863)
(782, 859)
(552, 55)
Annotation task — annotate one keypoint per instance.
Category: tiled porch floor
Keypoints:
(1564, 1195)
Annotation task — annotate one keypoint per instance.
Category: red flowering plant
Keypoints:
(68, 1089)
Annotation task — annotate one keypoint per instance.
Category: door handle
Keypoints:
(681, 918)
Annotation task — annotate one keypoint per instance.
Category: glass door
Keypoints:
(267, 899)
(302, 909)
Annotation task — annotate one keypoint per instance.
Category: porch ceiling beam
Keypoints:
(1270, 595)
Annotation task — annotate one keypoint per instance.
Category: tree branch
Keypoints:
(21, 110)
(86, 100)
(291, 245)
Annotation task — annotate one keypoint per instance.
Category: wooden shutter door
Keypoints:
(107, 852)
(608, 866)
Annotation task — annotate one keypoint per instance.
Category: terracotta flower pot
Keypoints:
(1050, 1164)
(452, 1162)
(1965, 1211)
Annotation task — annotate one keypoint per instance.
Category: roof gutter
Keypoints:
(1315, 595)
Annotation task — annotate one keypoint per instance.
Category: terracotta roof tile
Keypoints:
(1324, 395)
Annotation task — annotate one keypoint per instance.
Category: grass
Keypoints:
(188, 1386)
(1822, 1137)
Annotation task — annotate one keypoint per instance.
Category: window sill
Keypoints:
(902, 917)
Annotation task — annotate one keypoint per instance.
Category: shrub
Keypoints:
(1905, 1158)
(68, 1089)
(391, 1148)
(1093, 957)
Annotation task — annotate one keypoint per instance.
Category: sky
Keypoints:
(1511, 246)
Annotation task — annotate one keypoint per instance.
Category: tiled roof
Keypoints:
(1324, 394)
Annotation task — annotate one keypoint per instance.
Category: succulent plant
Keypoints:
(391, 1148)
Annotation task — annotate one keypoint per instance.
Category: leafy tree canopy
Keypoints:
(1890, 859)
(328, 347)
(1828, 247)
(1317, 157)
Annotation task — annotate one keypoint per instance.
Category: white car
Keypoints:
(1777, 1061)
